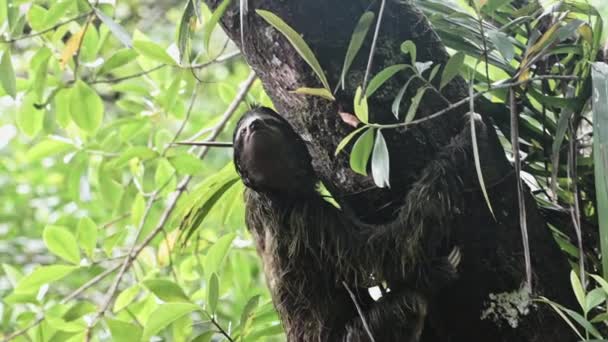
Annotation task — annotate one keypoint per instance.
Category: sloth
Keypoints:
(319, 262)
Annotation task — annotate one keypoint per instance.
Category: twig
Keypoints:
(220, 329)
(204, 143)
(504, 85)
(372, 50)
(363, 320)
(52, 28)
(575, 211)
(520, 187)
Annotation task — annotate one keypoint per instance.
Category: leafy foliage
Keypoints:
(94, 190)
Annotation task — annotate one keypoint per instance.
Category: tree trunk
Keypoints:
(493, 261)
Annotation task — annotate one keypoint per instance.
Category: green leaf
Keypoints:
(29, 118)
(213, 290)
(603, 283)
(360, 154)
(409, 48)
(126, 297)
(347, 139)
(123, 331)
(86, 107)
(382, 77)
(297, 42)
(184, 31)
(452, 68)
(117, 30)
(56, 12)
(217, 253)
(397, 101)
(61, 242)
(141, 152)
(164, 173)
(153, 51)
(600, 153)
(7, 74)
(186, 163)
(503, 43)
(44, 275)
(166, 290)
(247, 314)
(360, 105)
(204, 337)
(87, 235)
(380, 162)
(411, 112)
(164, 315)
(118, 59)
(594, 298)
(212, 23)
(138, 209)
(577, 287)
(47, 147)
(356, 41)
(321, 92)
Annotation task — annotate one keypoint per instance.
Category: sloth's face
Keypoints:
(267, 152)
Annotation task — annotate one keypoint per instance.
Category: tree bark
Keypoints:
(493, 260)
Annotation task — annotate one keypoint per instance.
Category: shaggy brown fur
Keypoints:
(309, 247)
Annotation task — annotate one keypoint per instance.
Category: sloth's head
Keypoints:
(270, 156)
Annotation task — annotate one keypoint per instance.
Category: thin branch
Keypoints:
(575, 210)
(220, 329)
(520, 187)
(128, 77)
(52, 28)
(372, 50)
(204, 143)
(504, 85)
(360, 312)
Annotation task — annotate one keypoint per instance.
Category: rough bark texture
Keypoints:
(492, 249)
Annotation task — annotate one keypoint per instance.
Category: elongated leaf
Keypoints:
(600, 153)
(411, 112)
(347, 139)
(360, 105)
(213, 293)
(153, 51)
(382, 77)
(297, 42)
(577, 287)
(166, 290)
(452, 68)
(361, 152)
(118, 59)
(503, 44)
(321, 92)
(380, 162)
(247, 313)
(126, 297)
(71, 47)
(86, 107)
(7, 74)
(44, 275)
(165, 315)
(356, 41)
(212, 23)
(87, 235)
(397, 101)
(184, 31)
(217, 253)
(117, 30)
(61, 242)
(123, 331)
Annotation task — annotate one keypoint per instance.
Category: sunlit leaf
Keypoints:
(297, 42)
(126, 297)
(360, 105)
(212, 23)
(87, 235)
(165, 315)
(166, 290)
(61, 242)
(321, 92)
(44, 275)
(356, 41)
(361, 152)
(123, 331)
(380, 162)
(213, 293)
(452, 68)
(7, 74)
(117, 30)
(86, 107)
